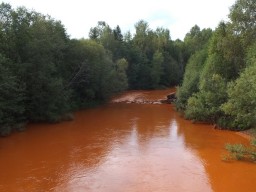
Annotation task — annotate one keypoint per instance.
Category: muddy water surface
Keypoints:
(120, 147)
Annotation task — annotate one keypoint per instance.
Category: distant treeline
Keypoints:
(219, 84)
(45, 75)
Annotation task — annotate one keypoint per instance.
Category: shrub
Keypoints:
(241, 152)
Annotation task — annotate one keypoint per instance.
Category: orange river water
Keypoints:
(123, 147)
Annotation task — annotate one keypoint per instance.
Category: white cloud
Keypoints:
(78, 16)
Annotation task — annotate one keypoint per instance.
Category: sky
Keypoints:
(179, 16)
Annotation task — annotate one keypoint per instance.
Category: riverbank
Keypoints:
(249, 134)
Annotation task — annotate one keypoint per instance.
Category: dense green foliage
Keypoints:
(45, 75)
(219, 81)
(241, 104)
(190, 83)
(11, 99)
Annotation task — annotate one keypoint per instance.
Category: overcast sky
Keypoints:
(78, 16)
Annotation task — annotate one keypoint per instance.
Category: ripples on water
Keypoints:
(123, 147)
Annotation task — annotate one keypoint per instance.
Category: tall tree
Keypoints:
(240, 107)
(156, 69)
(12, 97)
(190, 84)
(243, 17)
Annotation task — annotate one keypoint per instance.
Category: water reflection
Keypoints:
(145, 155)
(120, 147)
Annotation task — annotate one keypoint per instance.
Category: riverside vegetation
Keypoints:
(219, 84)
(45, 75)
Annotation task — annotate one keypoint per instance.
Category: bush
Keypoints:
(241, 152)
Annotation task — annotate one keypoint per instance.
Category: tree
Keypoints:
(140, 37)
(219, 68)
(134, 58)
(171, 71)
(12, 97)
(162, 38)
(154, 66)
(226, 53)
(112, 40)
(205, 104)
(121, 80)
(41, 62)
(194, 51)
(93, 76)
(156, 69)
(118, 34)
(34, 45)
(243, 16)
(196, 40)
(191, 78)
(96, 32)
(230, 61)
(241, 103)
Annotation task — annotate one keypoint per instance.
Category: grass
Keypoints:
(240, 151)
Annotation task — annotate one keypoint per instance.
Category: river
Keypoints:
(123, 147)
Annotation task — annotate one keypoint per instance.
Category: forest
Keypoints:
(46, 75)
(219, 84)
